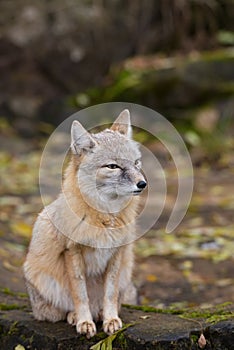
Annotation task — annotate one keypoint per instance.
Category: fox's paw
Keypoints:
(86, 327)
(112, 325)
(72, 318)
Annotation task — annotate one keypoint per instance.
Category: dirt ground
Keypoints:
(191, 266)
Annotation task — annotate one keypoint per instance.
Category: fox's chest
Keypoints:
(96, 260)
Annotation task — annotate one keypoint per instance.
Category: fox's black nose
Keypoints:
(141, 184)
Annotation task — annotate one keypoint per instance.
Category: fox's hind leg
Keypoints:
(42, 310)
(129, 295)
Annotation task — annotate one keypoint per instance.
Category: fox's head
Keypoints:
(109, 162)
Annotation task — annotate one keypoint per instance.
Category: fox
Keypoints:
(80, 259)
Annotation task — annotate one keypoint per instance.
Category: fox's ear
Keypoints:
(81, 140)
(123, 124)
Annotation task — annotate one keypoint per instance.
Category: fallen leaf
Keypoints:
(202, 341)
(9, 266)
(144, 317)
(106, 344)
(22, 229)
(19, 347)
(151, 278)
(224, 282)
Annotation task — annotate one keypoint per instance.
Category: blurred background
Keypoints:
(174, 56)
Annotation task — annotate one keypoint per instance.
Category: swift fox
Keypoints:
(79, 263)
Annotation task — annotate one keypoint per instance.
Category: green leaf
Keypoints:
(106, 344)
(19, 347)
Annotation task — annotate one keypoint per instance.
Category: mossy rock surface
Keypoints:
(169, 84)
(146, 330)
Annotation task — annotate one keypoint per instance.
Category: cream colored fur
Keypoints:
(80, 259)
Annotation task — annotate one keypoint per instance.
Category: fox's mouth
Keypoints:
(135, 193)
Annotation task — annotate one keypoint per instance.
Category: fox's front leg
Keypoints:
(111, 321)
(82, 317)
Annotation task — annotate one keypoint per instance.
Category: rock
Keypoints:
(146, 330)
(222, 335)
(176, 86)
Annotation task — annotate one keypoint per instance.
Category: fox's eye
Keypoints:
(112, 166)
(138, 163)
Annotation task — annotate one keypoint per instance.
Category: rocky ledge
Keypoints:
(145, 328)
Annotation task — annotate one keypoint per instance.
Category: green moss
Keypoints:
(219, 55)
(218, 318)
(217, 314)
(146, 308)
(100, 336)
(22, 295)
(13, 329)
(26, 339)
(122, 342)
(7, 291)
(23, 337)
(194, 338)
(7, 307)
(211, 316)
